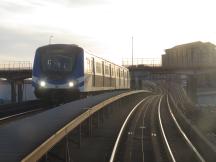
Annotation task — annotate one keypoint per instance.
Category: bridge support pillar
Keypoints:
(16, 91)
(13, 91)
(20, 91)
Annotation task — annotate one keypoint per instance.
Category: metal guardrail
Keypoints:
(15, 65)
(59, 135)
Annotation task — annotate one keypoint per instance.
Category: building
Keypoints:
(191, 55)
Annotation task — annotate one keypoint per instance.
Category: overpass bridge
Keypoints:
(148, 69)
(15, 72)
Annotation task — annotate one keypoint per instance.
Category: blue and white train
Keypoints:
(63, 70)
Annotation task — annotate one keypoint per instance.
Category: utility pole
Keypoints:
(50, 39)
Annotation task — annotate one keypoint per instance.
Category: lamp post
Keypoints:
(132, 49)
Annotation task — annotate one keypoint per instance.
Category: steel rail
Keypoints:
(14, 110)
(143, 125)
(205, 146)
(163, 132)
(36, 154)
(18, 108)
(156, 143)
(112, 158)
(19, 114)
(189, 143)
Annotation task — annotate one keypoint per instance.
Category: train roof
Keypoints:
(59, 45)
(104, 59)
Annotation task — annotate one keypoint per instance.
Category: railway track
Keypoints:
(13, 111)
(135, 134)
(177, 144)
(151, 133)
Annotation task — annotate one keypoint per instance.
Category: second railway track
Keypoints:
(153, 134)
(134, 139)
(177, 144)
(11, 112)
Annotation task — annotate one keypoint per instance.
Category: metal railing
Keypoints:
(15, 65)
(151, 62)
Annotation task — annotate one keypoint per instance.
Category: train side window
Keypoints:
(125, 74)
(118, 73)
(103, 67)
(112, 71)
(98, 68)
(122, 73)
(92, 65)
(88, 65)
(107, 70)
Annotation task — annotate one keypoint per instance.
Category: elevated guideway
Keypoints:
(30, 138)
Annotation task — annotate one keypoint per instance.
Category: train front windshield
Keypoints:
(57, 62)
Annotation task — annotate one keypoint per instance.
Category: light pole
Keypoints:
(132, 49)
(50, 39)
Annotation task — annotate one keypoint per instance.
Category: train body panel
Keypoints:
(61, 69)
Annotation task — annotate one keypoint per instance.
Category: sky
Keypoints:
(104, 27)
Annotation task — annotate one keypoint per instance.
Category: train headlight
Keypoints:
(71, 84)
(42, 83)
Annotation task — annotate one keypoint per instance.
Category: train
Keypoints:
(63, 71)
